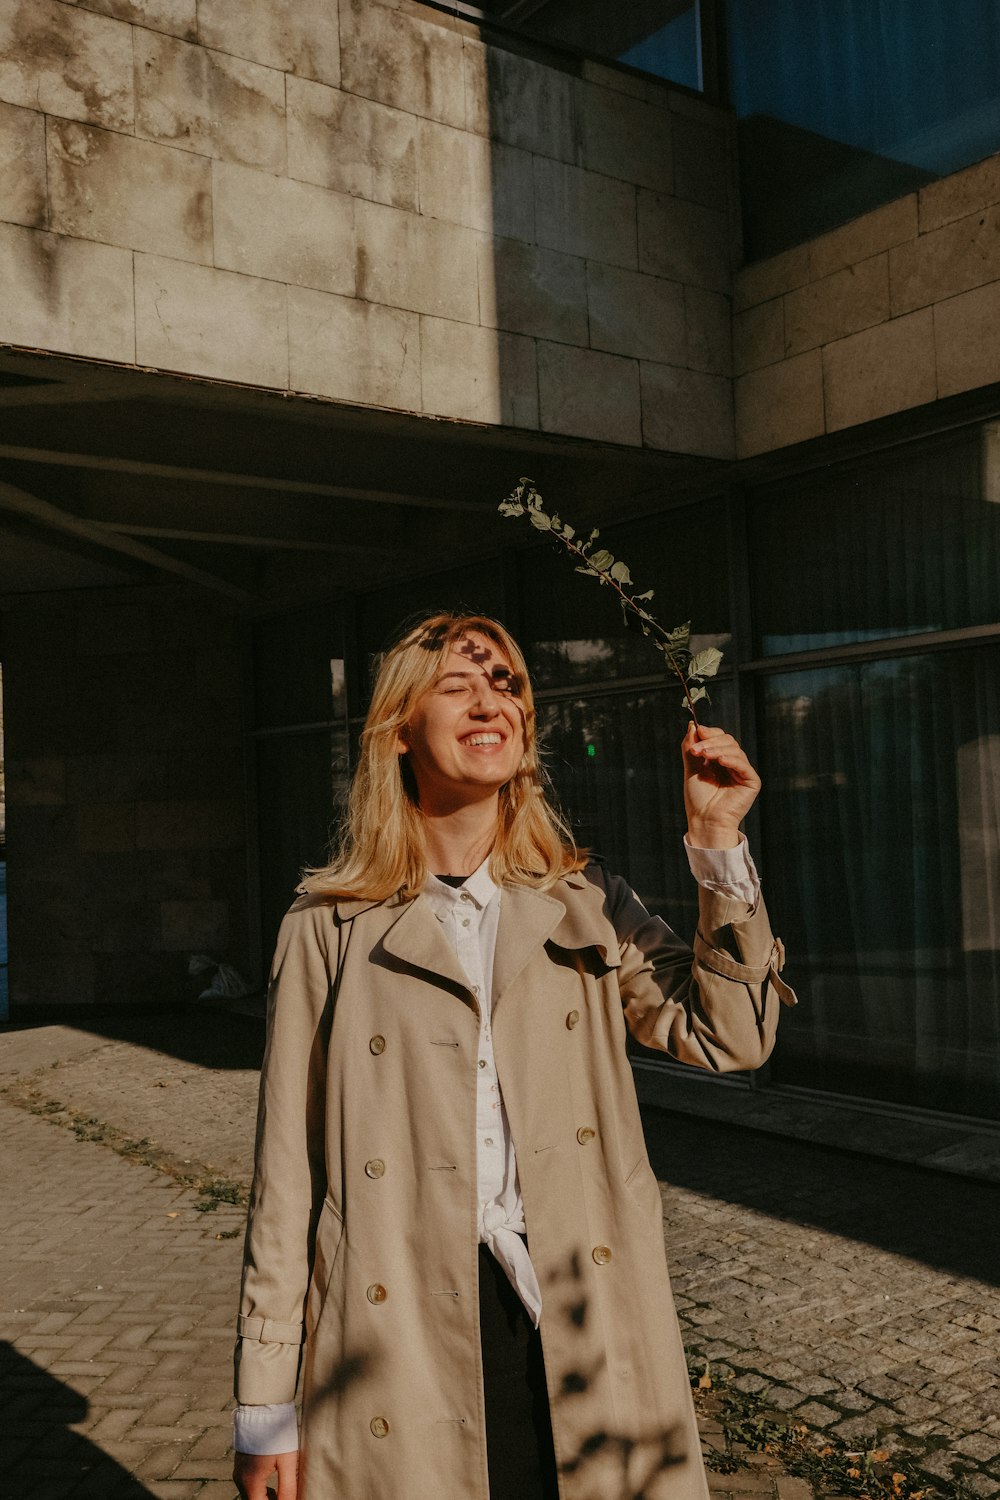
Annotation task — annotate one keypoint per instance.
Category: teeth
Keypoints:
(483, 739)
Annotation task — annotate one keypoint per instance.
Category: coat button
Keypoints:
(585, 1134)
(377, 1293)
(379, 1427)
(601, 1254)
(377, 1045)
(375, 1167)
(572, 1019)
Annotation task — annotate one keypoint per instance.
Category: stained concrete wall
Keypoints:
(896, 309)
(125, 795)
(367, 203)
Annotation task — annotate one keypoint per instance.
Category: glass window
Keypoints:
(302, 782)
(845, 104)
(907, 543)
(573, 630)
(614, 759)
(881, 809)
(293, 662)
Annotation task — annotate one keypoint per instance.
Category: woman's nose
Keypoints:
(486, 700)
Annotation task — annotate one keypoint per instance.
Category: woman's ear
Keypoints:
(402, 743)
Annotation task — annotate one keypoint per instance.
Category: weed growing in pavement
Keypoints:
(827, 1464)
(214, 1190)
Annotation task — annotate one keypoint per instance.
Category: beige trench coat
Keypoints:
(361, 1255)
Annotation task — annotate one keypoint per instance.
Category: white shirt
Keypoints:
(469, 917)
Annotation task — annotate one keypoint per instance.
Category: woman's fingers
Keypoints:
(251, 1471)
(706, 747)
(288, 1476)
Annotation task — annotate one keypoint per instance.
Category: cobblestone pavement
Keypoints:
(862, 1295)
(116, 1312)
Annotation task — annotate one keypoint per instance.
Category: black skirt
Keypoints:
(518, 1427)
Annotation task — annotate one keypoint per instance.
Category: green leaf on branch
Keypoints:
(705, 663)
(674, 645)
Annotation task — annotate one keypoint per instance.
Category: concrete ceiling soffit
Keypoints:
(42, 514)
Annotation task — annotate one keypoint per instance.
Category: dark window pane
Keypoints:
(881, 809)
(293, 683)
(902, 545)
(845, 104)
(301, 786)
(573, 627)
(615, 761)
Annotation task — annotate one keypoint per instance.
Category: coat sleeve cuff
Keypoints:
(267, 1374)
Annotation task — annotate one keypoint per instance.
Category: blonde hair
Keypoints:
(381, 847)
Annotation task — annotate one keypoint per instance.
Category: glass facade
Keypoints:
(859, 611)
(845, 104)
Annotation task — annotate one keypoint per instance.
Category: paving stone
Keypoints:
(119, 1318)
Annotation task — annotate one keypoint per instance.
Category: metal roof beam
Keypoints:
(246, 481)
(42, 513)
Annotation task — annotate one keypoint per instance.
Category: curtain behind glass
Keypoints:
(906, 543)
(881, 809)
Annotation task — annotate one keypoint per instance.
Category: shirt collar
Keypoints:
(479, 886)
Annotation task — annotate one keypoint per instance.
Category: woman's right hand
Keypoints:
(251, 1471)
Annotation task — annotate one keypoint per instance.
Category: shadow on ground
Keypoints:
(950, 1223)
(44, 1459)
(198, 1034)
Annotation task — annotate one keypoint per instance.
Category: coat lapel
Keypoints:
(527, 918)
(415, 942)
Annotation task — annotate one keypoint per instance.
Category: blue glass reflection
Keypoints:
(673, 52)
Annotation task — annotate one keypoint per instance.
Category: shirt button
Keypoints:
(585, 1134)
(466, 921)
(475, 989)
(377, 1293)
(377, 1045)
(488, 1141)
(572, 1019)
(379, 1427)
(482, 1062)
(601, 1254)
(465, 896)
(375, 1167)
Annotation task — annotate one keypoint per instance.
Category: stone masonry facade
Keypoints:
(125, 795)
(894, 310)
(368, 203)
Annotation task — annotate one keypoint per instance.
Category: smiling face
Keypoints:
(465, 735)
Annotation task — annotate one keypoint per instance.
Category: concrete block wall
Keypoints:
(895, 309)
(367, 202)
(126, 836)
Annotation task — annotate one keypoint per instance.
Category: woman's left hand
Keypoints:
(720, 787)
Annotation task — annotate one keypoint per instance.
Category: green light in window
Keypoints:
(591, 751)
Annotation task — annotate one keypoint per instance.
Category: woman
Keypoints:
(454, 1229)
